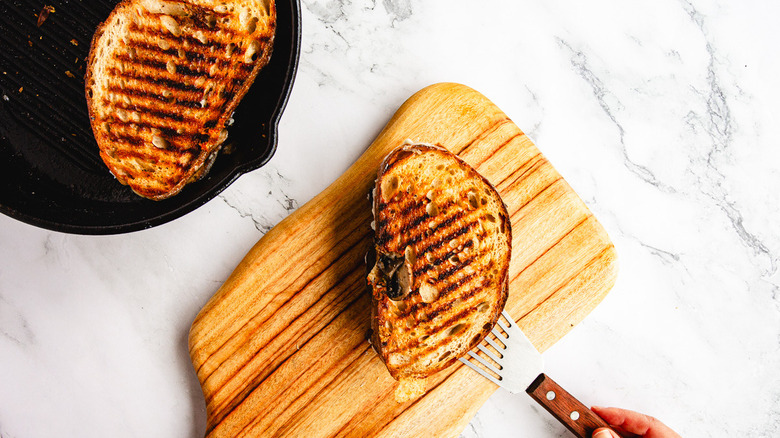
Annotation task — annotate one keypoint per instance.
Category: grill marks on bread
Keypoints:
(430, 204)
(163, 80)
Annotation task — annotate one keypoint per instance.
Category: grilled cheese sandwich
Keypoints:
(163, 80)
(439, 272)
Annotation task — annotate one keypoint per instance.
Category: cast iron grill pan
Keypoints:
(50, 171)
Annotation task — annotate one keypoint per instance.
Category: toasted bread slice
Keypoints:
(163, 79)
(440, 271)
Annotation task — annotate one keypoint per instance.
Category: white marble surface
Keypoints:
(661, 115)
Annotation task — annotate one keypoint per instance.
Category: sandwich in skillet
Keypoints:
(163, 79)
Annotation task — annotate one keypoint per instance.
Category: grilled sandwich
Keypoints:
(163, 79)
(439, 269)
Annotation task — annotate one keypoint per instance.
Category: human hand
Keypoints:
(630, 424)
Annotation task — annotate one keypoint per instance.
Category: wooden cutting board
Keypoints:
(281, 349)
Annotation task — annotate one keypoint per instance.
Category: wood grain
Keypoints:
(281, 350)
(577, 417)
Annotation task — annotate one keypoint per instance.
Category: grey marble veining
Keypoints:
(661, 116)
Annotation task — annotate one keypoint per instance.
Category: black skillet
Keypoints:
(51, 174)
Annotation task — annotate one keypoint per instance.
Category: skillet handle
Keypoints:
(580, 420)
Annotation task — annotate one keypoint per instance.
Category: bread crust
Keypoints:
(197, 155)
(380, 316)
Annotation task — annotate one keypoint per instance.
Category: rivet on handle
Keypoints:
(550, 395)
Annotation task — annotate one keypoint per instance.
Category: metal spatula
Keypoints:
(517, 366)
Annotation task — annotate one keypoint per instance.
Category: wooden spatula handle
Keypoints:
(563, 406)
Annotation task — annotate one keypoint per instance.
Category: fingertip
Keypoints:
(601, 411)
(604, 432)
(601, 408)
(613, 416)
